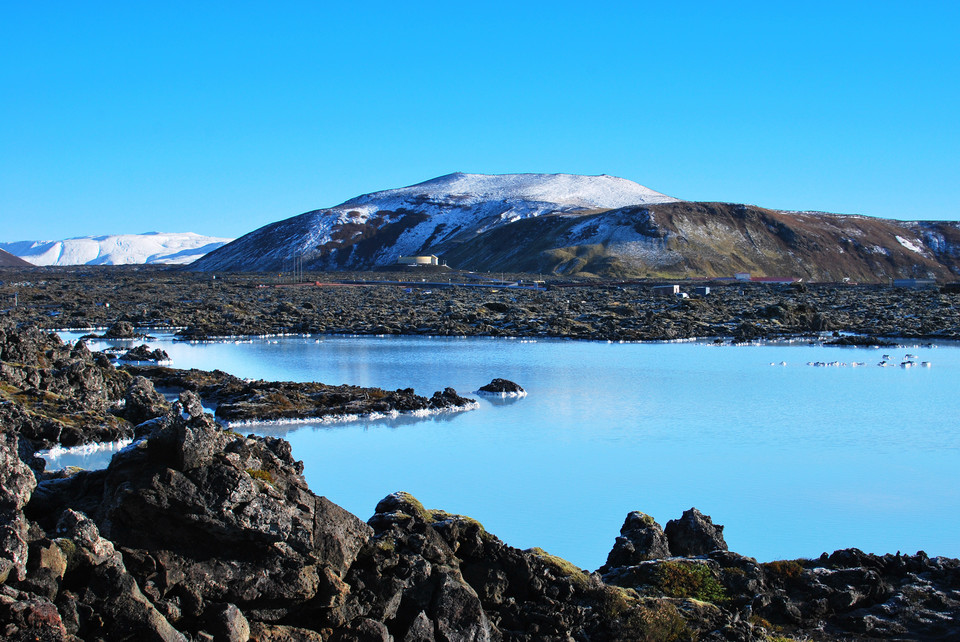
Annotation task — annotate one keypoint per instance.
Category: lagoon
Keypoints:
(795, 460)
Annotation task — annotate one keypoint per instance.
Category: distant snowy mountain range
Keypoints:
(591, 225)
(120, 249)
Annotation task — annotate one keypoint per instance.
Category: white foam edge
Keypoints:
(55, 453)
(502, 395)
(339, 419)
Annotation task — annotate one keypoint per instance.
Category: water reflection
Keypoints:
(794, 460)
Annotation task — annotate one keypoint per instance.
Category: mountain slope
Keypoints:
(376, 229)
(11, 260)
(600, 225)
(719, 239)
(121, 249)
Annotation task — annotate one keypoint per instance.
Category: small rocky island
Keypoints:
(502, 388)
(195, 532)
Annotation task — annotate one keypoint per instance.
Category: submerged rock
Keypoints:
(144, 353)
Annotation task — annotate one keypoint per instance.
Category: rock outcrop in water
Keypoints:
(694, 534)
(53, 394)
(502, 388)
(144, 353)
(239, 400)
(641, 539)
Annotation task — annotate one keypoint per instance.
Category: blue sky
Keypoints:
(218, 118)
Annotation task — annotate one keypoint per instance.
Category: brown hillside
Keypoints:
(689, 239)
(10, 260)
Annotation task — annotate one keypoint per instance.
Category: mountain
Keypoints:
(591, 225)
(376, 229)
(9, 260)
(690, 239)
(121, 249)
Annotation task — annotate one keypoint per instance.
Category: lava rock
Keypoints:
(449, 399)
(105, 585)
(143, 402)
(190, 404)
(694, 534)
(241, 400)
(144, 353)
(502, 388)
(227, 623)
(121, 330)
(17, 483)
(57, 394)
(641, 539)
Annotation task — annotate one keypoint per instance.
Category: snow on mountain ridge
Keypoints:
(569, 190)
(118, 249)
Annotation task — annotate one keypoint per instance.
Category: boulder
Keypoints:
(121, 330)
(502, 388)
(29, 617)
(641, 539)
(222, 527)
(97, 577)
(227, 623)
(190, 404)
(143, 402)
(694, 534)
(144, 353)
(449, 399)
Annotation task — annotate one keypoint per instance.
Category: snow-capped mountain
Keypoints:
(120, 249)
(530, 194)
(376, 229)
(601, 225)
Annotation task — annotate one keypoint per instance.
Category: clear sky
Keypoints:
(217, 118)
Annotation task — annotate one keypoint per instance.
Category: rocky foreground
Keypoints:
(195, 532)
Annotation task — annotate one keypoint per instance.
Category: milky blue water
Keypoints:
(793, 459)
